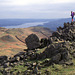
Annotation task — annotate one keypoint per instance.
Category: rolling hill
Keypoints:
(12, 40)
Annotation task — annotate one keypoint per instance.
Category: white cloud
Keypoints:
(28, 2)
(62, 1)
(35, 8)
(31, 2)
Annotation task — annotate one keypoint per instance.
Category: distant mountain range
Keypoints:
(24, 23)
(16, 22)
(56, 23)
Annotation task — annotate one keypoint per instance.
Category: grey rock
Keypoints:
(32, 41)
(56, 58)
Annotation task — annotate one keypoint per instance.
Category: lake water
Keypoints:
(26, 25)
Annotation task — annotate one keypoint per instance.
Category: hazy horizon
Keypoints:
(36, 18)
(35, 9)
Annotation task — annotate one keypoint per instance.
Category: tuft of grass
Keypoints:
(1, 73)
(20, 68)
(41, 50)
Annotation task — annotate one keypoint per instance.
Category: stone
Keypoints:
(11, 73)
(35, 71)
(18, 58)
(73, 54)
(32, 42)
(64, 54)
(44, 42)
(13, 60)
(34, 64)
(4, 72)
(19, 54)
(30, 67)
(56, 34)
(21, 57)
(11, 64)
(47, 72)
(56, 58)
(69, 62)
(27, 64)
(6, 65)
(65, 25)
(8, 69)
(47, 60)
(15, 63)
(39, 73)
(3, 58)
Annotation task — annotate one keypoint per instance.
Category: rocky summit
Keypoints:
(62, 45)
(54, 55)
(67, 32)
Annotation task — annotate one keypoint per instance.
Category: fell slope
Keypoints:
(12, 40)
(56, 57)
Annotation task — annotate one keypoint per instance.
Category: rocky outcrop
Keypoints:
(32, 41)
(61, 45)
(57, 53)
(66, 33)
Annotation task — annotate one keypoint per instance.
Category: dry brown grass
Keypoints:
(11, 48)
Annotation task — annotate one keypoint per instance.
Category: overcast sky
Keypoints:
(36, 9)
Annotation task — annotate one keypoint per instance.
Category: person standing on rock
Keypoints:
(72, 15)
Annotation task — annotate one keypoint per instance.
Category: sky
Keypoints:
(36, 9)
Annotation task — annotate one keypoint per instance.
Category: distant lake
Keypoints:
(26, 25)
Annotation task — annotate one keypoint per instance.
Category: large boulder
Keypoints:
(56, 58)
(32, 41)
(3, 58)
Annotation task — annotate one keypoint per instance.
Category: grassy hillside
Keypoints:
(55, 56)
(12, 40)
